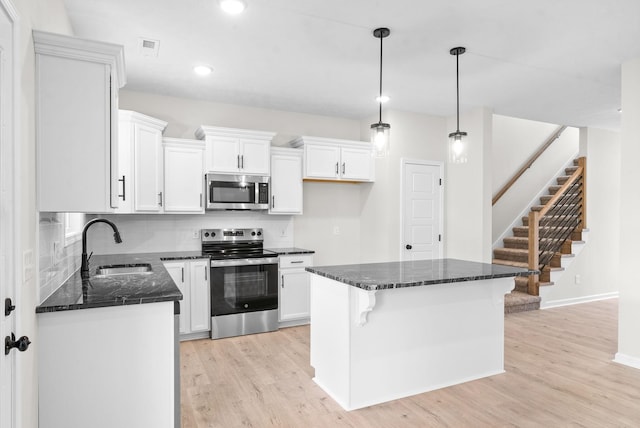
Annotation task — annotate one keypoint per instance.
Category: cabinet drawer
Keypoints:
(295, 261)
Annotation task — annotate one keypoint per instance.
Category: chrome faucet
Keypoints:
(84, 269)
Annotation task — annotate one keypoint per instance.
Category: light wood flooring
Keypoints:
(559, 374)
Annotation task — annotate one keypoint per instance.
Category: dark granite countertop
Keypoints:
(381, 276)
(290, 250)
(118, 290)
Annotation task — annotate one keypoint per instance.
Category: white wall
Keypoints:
(468, 192)
(514, 142)
(629, 311)
(46, 15)
(145, 233)
(413, 136)
(597, 263)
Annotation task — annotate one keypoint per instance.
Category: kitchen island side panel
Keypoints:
(107, 367)
(414, 340)
(329, 336)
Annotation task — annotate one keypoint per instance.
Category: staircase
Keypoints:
(558, 223)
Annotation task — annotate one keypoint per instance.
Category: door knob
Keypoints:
(408, 246)
(21, 344)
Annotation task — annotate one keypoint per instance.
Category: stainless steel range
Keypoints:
(244, 282)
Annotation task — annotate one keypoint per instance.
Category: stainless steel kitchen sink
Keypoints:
(128, 269)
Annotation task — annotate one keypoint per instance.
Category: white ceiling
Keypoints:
(547, 60)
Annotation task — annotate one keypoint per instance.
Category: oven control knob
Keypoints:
(206, 234)
(253, 234)
(246, 305)
(213, 234)
(259, 233)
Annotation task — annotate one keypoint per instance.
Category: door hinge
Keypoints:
(439, 238)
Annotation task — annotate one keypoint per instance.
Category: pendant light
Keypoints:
(457, 140)
(380, 130)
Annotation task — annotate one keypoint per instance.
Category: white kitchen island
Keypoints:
(384, 331)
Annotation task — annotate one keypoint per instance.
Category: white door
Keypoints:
(421, 210)
(183, 179)
(356, 164)
(148, 169)
(8, 193)
(255, 157)
(286, 184)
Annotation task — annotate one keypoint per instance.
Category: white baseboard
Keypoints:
(627, 360)
(577, 300)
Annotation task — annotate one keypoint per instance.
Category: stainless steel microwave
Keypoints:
(237, 192)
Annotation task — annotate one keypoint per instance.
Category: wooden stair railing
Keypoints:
(555, 222)
(528, 164)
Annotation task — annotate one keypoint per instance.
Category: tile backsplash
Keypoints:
(59, 252)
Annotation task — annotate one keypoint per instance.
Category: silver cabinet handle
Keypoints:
(282, 281)
(182, 275)
(206, 268)
(238, 161)
(242, 161)
(273, 201)
(343, 164)
(337, 163)
(200, 200)
(124, 190)
(160, 196)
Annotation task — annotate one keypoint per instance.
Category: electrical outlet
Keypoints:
(283, 233)
(578, 280)
(336, 230)
(195, 234)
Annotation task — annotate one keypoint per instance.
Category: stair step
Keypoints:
(516, 242)
(522, 283)
(563, 179)
(576, 161)
(517, 301)
(545, 274)
(512, 254)
(570, 170)
(553, 189)
(510, 263)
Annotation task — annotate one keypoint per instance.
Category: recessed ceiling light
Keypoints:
(233, 7)
(202, 70)
(620, 110)
(382, 99)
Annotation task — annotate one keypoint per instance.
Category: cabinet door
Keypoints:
(286, 185)
(125, 168)
(199, 297)
(294, 294)
(183, 179)
(357, 164)
(254, 158)
(147, 169)
(223, 154)
(322, 161)
(178, 272)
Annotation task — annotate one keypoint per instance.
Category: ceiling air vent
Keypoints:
(148, 47)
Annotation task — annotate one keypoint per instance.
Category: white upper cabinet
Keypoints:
(140, 162)
(286, 181)
(183, 176)
(236, 151)
(336, 160)
(77, 84)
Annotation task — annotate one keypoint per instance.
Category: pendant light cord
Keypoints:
(457, 95)
(380, 94)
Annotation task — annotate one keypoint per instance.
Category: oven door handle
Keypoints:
(244, 262)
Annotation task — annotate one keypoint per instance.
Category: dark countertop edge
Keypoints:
(389, 286)
(139, 301)
(289, 251)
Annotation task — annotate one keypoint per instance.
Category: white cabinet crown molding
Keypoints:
(287, 151)
(64, 46)
(203, 131)
(183, 142)
(134, 116)
(302, 140)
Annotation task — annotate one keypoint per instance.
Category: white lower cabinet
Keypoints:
(192, 278)
(293, 302)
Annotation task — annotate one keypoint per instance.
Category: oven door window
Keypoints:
(232, 192)
(238, 289)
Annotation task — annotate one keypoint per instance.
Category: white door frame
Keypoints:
(403, 164)
(10, 170)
